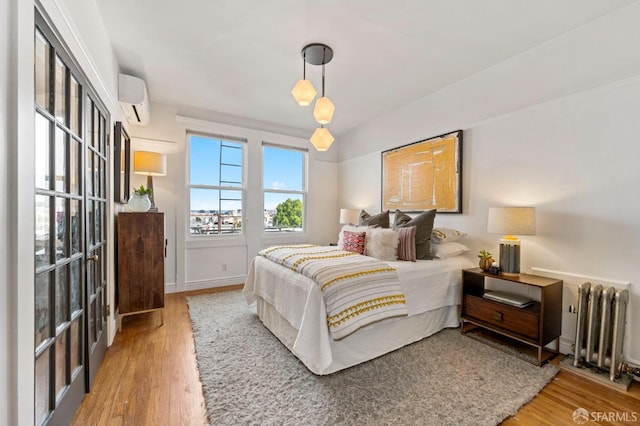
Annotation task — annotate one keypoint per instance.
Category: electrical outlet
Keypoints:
(224, 266)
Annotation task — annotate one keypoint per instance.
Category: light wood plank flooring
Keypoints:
(149, 377)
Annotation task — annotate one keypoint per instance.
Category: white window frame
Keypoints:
(304, 192)
(242, 188)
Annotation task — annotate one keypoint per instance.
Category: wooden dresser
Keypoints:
(140, 263)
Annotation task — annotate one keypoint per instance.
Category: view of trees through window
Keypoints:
(288, 214)
(284, 187)
(216, 186)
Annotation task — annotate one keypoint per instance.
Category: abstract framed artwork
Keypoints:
(424, 175)
(121, 164)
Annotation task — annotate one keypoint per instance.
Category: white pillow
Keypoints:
(381, 243)
(352, 228)
(445, 250)
(446, 235)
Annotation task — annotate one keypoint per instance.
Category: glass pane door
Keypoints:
(96, 212)
(69, 281)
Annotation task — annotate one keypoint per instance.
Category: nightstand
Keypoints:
(523, 332)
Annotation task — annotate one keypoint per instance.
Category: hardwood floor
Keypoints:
(149, 377)
(149, 374)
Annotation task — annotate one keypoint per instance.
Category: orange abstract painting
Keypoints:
(424, 175)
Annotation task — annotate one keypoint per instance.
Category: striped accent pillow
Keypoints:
(354, 241)
(407, 243)
(424, 226)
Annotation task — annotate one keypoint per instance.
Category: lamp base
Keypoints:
(510, 257)
(153, 207)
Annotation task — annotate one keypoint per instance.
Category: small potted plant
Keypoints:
(486, 259)
(140, 201)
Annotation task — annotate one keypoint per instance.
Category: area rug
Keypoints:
(249, 377)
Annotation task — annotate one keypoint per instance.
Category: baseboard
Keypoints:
(621, 383)
(566, 346)
(629, 360)
(170, 288)
(219, 282)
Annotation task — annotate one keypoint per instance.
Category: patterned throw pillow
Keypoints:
(446, 235)
(350, 228)
(354, 241)
(407, 243)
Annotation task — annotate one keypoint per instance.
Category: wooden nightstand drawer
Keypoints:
(521, 321)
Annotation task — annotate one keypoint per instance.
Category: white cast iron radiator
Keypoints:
(600, 328)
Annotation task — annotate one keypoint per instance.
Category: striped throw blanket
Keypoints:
(357, 290)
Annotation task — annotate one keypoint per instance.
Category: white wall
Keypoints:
(557, 128)
(20, 214)
(159, 136)
(6, 296)
(203, 262)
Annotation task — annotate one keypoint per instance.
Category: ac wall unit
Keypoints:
(133, 98)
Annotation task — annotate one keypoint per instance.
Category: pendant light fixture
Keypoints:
(304, 92)
(323, 111)
(316, 54)
(322, 139)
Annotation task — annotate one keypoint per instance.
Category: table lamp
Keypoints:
(511, 221)
(349, 216)
(150, 164)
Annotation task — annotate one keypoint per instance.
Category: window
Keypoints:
(285, 188)
(215, 185)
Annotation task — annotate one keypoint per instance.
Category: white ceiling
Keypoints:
(242, 58)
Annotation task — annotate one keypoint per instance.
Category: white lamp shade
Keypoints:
(322, 139)
(512, 220)
(149, 163)
(323, 111)
(304, 92)
(349, 216)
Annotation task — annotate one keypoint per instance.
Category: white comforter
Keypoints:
(427, 285)
(357, 290)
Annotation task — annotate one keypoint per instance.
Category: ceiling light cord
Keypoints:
(324, 61)
(304, 66)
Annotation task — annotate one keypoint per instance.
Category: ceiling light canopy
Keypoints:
(304, 93)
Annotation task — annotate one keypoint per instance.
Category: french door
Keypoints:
(95, 242)
(70, 239)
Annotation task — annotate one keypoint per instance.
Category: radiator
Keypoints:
(600, 328)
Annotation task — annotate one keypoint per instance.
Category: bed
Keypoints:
(292, 307)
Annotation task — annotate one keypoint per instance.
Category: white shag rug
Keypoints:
(250, 378)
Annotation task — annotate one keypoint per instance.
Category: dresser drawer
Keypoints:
(520, 321)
